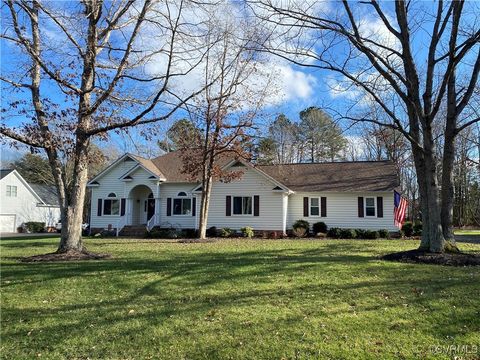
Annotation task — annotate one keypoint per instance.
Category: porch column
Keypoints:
(129, 211)
(284, 213)
(157, 211)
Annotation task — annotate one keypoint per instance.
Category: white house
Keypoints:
(142, 193)
(22, 202)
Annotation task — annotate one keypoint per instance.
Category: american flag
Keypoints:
(400, 209)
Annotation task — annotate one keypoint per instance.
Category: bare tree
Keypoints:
(385, 68)
(226, 112)
(92, 80)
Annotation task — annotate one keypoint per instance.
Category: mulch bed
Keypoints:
(424, 257)
(66, 256)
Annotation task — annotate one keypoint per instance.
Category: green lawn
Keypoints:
(467, 232)
(234, 299)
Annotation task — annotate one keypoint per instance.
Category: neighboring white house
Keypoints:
(22, 202)
(134, 191)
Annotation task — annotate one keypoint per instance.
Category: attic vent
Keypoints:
(277, 188)
(128, 177)
(238, 164)
(95, 183)
(128, 159)
(152, 177)
(199, 188)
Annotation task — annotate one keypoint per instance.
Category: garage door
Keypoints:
(7, 223)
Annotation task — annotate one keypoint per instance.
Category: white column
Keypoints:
(129, 211)
(284, 213)
(157, 211)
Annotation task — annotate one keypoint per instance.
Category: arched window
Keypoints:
(182, 205)
(182, 193)
(111, 205)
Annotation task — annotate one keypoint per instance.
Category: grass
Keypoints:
(234, 299)
(467, 232)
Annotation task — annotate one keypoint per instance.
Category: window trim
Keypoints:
(242, 196)
(374, 206)
(9, 191)
(319, 206)
(108, 198)
(181, 198)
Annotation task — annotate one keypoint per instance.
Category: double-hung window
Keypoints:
(182, 206)
(370, 206)
(111, 205)
(314, 207)
(242, 205)
(11, 191)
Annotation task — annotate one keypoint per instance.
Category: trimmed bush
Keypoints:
(360, 233)
(34, 226)
(407, 228)
(299, 232)
(384, 233)
(212, 231)
(302, 224)
(417, 228)
(319, 227)
(189, 233)
(226, 232)
(371, 234)
(348, 234)
(247, 231)
(334, 233)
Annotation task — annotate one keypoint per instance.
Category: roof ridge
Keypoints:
(332, 162)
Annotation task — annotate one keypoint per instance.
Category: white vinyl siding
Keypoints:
(342, 210)
(24, 204)
(250, 184)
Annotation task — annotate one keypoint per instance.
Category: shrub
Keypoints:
(407, 228)
(226, 232)
(35, 226)
(348, 234)
(371, 234)
(319, 227)
(384, 233)
(417, 228)
(299, 232)
(247, 231)
(163, 234)
(301, 224)
(212, 231)
(360, 233)
(334, 233)
(189, 233)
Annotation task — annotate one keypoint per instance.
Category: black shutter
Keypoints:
(380, 206)
(169, 206)
(99, 207)
(305, 207)
(323, 209)
(194, 206)
(228, 206)
(122, 207)
(360, 206)
(256, 205)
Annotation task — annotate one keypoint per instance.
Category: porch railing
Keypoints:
(121, 224)
(151, 223)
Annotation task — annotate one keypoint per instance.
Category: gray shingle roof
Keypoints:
(336, 176)
(5, 172)
(48, 193)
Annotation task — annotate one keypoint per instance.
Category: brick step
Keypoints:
(133, 230)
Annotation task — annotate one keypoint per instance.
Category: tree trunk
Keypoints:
(447, 188)
(205, 203)
(72, 219)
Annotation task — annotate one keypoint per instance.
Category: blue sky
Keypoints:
(302, 87)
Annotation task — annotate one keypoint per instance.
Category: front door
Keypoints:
(150, 208)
